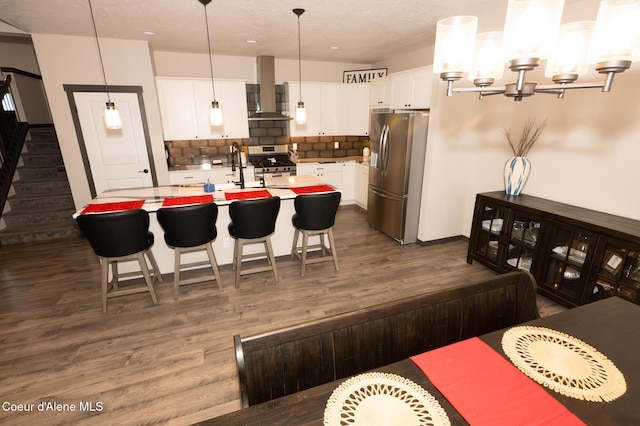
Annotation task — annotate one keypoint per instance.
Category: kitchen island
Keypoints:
(223, 245)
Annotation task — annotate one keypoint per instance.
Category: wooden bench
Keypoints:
(292, 359)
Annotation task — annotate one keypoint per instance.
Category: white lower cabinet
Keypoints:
(361, 183)
(339, 175)
(348, 182)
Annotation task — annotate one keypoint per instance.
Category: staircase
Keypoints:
(42, 205)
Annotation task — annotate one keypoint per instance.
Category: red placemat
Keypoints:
(192, 199)
(246, 195)
(312, 189)
(486, 389)
(112, 207)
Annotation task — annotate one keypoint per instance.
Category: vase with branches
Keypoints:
(517, 168)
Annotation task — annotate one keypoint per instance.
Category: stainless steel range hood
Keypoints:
(267, 82)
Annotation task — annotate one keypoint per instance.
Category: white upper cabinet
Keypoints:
(380, 96)
(358, 112)
(185, 104)
(333, 109)
(412, 89)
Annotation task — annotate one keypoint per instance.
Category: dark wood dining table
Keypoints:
(612, 326)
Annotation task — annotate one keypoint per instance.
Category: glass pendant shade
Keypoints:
(531, 28)
(488, 63)
(301, 113)
(215, 114)
(616, 35)
(112, 119)
(455, 43)
(572, 48)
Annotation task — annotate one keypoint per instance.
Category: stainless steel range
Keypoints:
(271, 161)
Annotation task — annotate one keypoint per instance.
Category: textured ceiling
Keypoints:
(366, 31)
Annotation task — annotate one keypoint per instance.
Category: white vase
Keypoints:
(366, 151)
(516, 172)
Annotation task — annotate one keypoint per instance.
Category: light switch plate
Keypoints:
(336, 145)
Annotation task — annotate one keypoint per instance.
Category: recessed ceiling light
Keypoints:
(334, 47)
(149, 33)
(251, 41)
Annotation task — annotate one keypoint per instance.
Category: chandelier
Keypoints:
(112, 119)
(532, 33)
(215, 112)
(301, 111)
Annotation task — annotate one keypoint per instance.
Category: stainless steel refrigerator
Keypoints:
(398, 148)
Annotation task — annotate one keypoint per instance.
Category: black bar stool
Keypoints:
(253, 222)
(121, 237)
(190, 229)
(315, 215)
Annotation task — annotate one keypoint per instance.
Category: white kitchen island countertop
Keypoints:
(223, 244)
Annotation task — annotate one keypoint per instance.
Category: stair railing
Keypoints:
(12, 136)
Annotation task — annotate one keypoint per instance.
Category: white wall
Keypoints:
(176, 64)
(17, 52)
(74, 60)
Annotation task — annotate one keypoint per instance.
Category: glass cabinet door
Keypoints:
(617, 273)
(523, 239)
(487, 243)
(566, 275)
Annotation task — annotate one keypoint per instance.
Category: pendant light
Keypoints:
(301, 112)
(215, 113)
(112, 119)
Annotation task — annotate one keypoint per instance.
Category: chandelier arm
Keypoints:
(485, 90)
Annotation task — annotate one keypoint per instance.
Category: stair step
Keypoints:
(24, 218)
(41, 172)
(42, 133)
(39, 186)
(39, 232)
(49, 159)
(42, 146)
(20, 202)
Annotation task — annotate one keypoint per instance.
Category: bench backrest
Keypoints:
(292, 359)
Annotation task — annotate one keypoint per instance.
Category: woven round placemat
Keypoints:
(563, 363)
(383, 399)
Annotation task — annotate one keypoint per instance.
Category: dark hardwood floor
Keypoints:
(173, 363)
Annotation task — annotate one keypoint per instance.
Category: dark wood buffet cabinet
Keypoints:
(577, 255)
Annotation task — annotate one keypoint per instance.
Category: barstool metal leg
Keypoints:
(333, 249)
(176, 273)
(105, 282)
(214, 265)
(147, 276)
(272, 258)
(238, 259)
(303, 254)
(294, 246)
(156, 274)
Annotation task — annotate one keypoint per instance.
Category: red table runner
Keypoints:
(192, 199)
(486, 389)
(246, 195)
(112, 207)
(312, 189)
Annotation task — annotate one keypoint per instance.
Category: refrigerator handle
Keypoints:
(381, 153)
(385, 151)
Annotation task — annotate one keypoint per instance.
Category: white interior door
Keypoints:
(118, 158)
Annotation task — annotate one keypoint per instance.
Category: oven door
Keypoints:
(271, 175)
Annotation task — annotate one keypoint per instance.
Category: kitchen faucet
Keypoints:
(235, 154)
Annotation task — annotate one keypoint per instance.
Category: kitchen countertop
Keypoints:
(154, 196)
(188, 167)
(356, 158)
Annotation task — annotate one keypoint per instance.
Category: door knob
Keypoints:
(143, 171)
